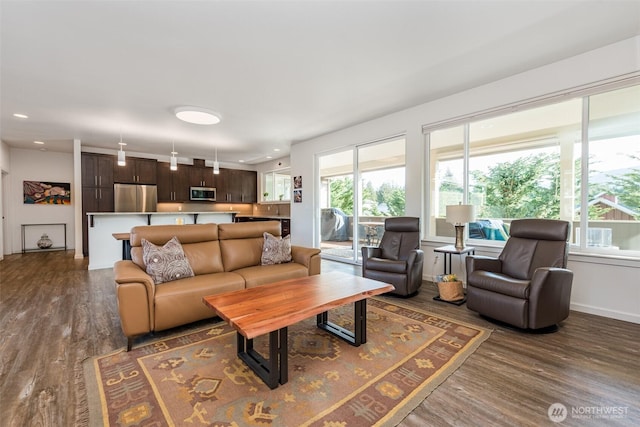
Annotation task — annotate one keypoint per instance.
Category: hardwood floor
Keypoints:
(55, 313)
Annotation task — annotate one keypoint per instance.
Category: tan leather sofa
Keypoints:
(224, 257)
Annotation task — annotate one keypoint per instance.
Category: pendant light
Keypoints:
(216, 165)
(174, 161)
(121, 155)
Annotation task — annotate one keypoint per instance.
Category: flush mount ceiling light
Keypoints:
(20, 116)
(197, 115)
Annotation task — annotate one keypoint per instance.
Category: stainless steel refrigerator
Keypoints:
(135, 198)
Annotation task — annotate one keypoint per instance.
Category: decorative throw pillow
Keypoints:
(276, 250)
(165, 263)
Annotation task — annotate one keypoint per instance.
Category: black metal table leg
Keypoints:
(272, 371)
(355, 338)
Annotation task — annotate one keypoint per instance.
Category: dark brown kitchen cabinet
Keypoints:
(97, 189)
(237, 186)
(97, 170)
(136, 171)
(173, 186)
(201, 176)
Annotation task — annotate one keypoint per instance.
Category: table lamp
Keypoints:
(459, 215)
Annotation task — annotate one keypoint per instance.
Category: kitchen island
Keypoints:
(105, 249)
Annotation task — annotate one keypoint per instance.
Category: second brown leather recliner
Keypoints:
(398, 259)
(528, 285)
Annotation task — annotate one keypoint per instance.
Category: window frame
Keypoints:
(582, 221)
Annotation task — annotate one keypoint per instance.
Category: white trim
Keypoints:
(606, 85)
(612, 314)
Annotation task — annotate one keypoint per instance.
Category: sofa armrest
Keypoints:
(309, 257)
(485, 263)
(135, 291)
(549, 296)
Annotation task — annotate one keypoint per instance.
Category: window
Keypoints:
(528, 164)
(613, 192)
(276, 186)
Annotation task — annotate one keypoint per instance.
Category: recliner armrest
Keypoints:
(549, 296)
(485, 263)
(370, 252)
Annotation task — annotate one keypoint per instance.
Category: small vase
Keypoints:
(44, 242)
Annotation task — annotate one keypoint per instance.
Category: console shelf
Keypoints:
(52, 248)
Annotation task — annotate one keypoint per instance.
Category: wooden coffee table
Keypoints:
(272, 308)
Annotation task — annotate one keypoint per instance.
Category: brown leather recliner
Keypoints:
(528, 285)
(398, 259)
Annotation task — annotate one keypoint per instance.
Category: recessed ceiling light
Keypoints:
(38, 142)
(197, 115)
(241, 161)
(269, 157)
(276, 149)
(20, 116)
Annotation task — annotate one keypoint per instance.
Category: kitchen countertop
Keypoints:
(164, 213)
(263, 216)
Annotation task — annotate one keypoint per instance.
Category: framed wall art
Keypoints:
(46, 193)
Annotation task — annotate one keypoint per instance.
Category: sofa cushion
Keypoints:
(276, 250)
(499, 283)
(204, 257)
(160, 234)
(390, 265)
(180, 302)
(240, 253)
(263, 274)
(165, 263)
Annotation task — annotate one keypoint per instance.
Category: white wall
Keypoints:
(594, 290)
(35, 165)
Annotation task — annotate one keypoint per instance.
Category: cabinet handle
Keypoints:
(96, 191)
(100, 180)
(100, 189)
(95, 180)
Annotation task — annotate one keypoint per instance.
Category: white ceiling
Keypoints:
(278, 72)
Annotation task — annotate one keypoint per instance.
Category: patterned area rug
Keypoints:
(197, 378)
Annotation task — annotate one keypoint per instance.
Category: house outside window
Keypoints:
(528, 164)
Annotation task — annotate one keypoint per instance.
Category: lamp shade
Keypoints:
(460, 214)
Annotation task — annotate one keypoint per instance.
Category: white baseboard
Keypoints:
(612, 314)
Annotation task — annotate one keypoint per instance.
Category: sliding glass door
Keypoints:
(337, 204)
(359, 188)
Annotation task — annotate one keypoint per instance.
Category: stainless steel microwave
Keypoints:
(202, 193)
